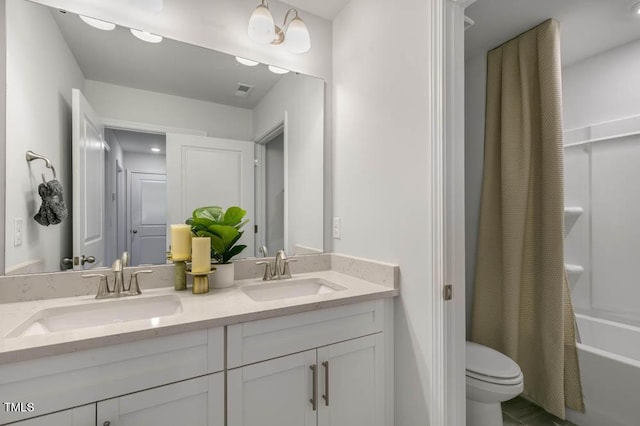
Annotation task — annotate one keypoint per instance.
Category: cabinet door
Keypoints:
(351, 383)
(197, 401)
(277, 392)
(79, 416)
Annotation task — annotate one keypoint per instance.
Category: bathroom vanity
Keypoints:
(232, 357)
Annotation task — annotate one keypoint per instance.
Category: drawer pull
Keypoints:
(325, 364)
(314, 399)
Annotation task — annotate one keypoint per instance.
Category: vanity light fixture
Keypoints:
(97, 23)
(145, 36)
(154, 149)
(277, 70)
(293, 34)
(636, 9)
(247, 62)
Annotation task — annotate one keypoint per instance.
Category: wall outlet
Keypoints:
(337, 228)
(17, 232)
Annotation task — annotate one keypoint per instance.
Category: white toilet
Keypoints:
(491, 378)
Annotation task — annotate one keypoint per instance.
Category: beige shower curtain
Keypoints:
(521, 304)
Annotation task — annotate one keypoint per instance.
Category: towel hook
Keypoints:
(33, 156)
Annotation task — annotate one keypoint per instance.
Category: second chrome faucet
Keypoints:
(279, 269)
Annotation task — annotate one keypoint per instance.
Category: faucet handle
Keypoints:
(267, 270)
(124, 259)
(286, 268)
(134, 286)
(103, 287)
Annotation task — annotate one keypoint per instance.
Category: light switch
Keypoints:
(337, 228)
(17, 232)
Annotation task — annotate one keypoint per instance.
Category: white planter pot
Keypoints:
(223, 276)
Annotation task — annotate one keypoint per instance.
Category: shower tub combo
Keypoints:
(610, 370)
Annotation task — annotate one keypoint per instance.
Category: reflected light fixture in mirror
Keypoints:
(293, 35)
(277, 70)
(145, 36)
(97, 23)
(247, 62)
(636, 9)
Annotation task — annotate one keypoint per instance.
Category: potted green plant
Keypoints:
(224, 229)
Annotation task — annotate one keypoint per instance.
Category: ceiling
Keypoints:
(588, 27)
(169, 67)
(327, 9)
(140, 142)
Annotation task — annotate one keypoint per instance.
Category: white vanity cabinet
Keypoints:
(198, 401)
(121, 376)
(279, 383)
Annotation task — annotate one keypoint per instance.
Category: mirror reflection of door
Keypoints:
(88, 152)
(148, 218)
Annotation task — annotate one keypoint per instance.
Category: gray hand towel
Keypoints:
(53, 210)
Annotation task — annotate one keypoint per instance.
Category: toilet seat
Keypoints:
(488, 365)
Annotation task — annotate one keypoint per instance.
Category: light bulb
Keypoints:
(261, 26)
(297, 38)
(145, 36)
(247, 62)
(97, 23)
(277, 70)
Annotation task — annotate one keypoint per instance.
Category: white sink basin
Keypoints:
(286, 289)
(97, 313)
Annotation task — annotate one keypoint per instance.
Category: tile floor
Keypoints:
(519, 411)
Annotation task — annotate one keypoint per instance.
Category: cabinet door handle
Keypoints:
(325, 364)
(107, 423)
(314, 399)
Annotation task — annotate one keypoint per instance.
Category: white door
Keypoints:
(273, 393)
(197, 401)
(351, 383)
(204, 171)
(79, 416)
(87, 150)
(148, 218)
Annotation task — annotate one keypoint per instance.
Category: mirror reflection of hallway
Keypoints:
(138, 200)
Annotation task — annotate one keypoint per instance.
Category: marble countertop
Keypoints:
(216, 308)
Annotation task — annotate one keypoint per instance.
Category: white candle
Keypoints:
(180, 242)
(200, 255)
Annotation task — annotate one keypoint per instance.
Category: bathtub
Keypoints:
(610, 370)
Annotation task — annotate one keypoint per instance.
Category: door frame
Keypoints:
(261, 182)
(448, 363)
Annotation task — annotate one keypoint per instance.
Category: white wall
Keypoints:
(382, 172)
(141, 106)
(475, 70)
(602, 88)
(147, 163)
(301, 98)
(40, 75)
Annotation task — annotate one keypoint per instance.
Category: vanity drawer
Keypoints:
(62, 381)
(256, 341)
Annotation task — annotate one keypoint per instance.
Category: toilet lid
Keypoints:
(484, 361)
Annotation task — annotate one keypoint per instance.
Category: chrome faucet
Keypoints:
(119, 290)
(279, 269)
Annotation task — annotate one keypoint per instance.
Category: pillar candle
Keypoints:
(200, 255)
(180, 242)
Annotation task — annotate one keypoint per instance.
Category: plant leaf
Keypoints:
(236, 250)
(227, 233)
(213, 213)
(233, 216)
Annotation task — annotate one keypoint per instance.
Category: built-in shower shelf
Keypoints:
(573, 273)
(571, 215)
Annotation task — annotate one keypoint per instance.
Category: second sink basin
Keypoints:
(286, 289)
(97, 313)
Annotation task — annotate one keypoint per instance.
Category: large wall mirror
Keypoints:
(140, 133)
